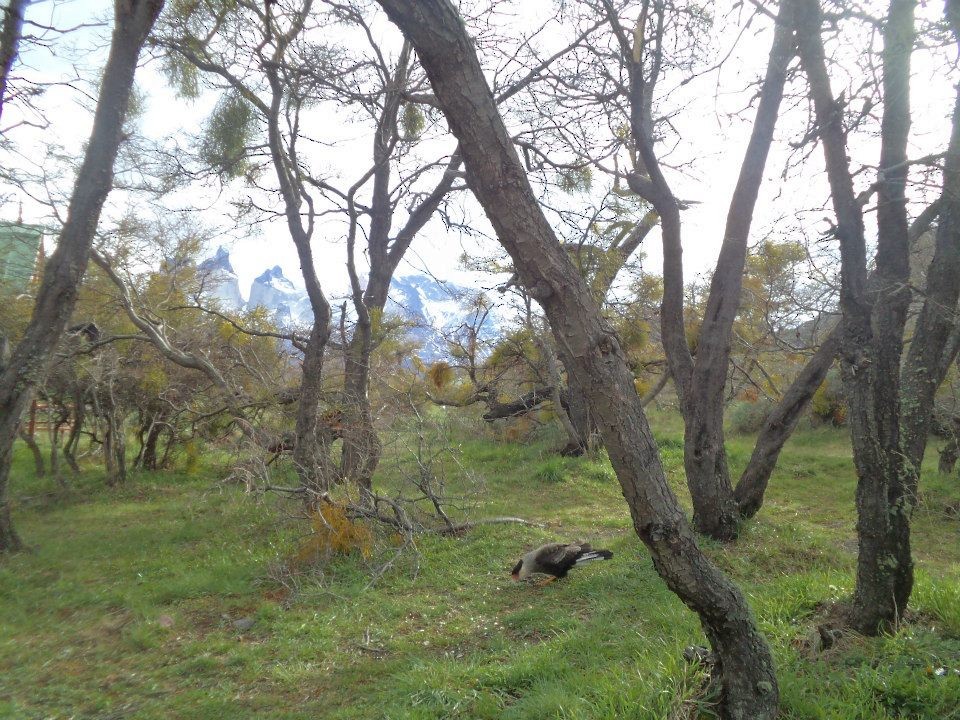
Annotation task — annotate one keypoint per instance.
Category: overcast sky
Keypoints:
(710, 136)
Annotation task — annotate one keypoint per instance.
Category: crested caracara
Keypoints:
(556, 559)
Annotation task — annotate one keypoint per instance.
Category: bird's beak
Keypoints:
(515, 576)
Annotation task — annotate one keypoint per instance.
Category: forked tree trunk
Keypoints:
(782, 420)
(701, 381)
(874, 317)
(590, 351)
(64, 271)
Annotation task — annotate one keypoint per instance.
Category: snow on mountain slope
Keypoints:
(435, 308)
(274, 291)
(220, 281)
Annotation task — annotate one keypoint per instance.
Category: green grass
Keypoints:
(123, 608)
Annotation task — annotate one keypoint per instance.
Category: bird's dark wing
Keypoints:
(559, 555)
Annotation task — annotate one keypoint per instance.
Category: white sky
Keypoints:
(709, 136)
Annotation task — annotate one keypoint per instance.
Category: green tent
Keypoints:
(19, 246)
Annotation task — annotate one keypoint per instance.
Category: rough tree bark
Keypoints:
(874, 317)
(64, 271)
(590, 351)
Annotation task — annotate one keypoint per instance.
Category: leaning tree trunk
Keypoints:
(715, 508)
(590, 350)
(64, 271)
(780, 424)
(582, 422)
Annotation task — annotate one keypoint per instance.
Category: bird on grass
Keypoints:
(556, 560)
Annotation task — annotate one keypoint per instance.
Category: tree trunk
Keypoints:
(149, 461)
(311, 451)
(31, 443)
(590, 350)
(781, 423)
(120, 447)
(109, 456)
(874, 315)
(948, 457)
(63, 414)
(925, 367)
(582, 422)
(577, 444)
(361, 449)
(64, 270)
(79, 415)
(142, 429)
(10, 43)
(700, 382)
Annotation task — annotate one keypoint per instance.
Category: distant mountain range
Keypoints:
(433, 307)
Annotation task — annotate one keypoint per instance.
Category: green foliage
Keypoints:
(223, 144)
(183, 76)
(552, 470)
(412, 122)
(514, 347)
(575, 180)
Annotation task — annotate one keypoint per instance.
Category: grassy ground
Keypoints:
(125, 606)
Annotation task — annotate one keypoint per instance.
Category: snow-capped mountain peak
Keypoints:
(435, 308)
(220, 261)
(219, 279)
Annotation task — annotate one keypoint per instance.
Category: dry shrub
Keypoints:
(517, 430)
(334, 533)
